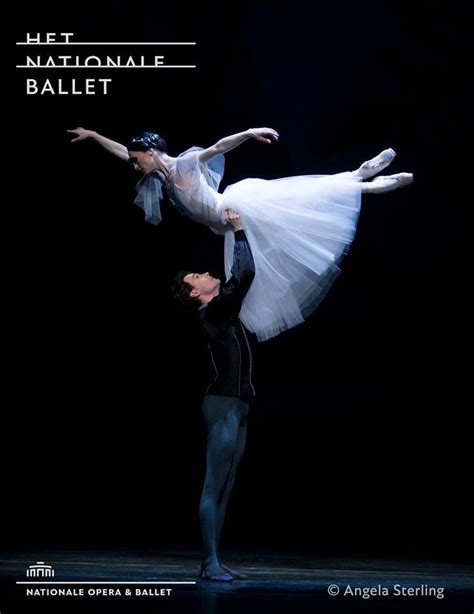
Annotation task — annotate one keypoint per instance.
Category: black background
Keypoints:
(358, 441)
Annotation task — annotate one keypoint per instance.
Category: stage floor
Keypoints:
(99, 580)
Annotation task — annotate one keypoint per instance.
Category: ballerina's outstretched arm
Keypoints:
(265, 135)
(117, 149)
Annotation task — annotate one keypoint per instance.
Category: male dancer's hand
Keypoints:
(233, 218)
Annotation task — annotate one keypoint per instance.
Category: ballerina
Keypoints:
(299, 228)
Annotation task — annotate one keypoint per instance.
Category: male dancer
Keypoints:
(225, 405)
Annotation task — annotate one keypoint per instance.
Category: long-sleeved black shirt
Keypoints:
(230, 343)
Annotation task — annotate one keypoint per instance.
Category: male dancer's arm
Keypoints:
(233, 293)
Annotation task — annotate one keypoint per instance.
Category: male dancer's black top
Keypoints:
(230, 343)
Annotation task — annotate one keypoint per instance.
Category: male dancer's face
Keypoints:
(202, 284)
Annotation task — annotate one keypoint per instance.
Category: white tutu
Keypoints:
(298, 229)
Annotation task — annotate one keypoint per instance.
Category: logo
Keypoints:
(40, 570)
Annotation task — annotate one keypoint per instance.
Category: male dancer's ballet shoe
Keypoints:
(237, 575)
(214, 573)
(375, 165)
(390, 182)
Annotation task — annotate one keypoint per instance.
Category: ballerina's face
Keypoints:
(202, 284)
(142, 160)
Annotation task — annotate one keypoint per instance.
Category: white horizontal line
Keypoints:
(114, 67)
(76, 43)
(105, 582)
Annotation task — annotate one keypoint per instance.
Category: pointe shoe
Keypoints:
(390, 182)
(214, 573)
(377, 164)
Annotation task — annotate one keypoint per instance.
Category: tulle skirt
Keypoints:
(298, 228)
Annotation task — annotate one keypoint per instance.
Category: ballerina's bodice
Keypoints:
(191, 190)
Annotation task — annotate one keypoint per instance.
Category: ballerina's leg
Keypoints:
(386, 184)
(375, 165)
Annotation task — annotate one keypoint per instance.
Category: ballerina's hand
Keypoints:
(265, 135)
(81, 134)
